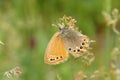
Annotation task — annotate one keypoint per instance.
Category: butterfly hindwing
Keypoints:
(75, 42)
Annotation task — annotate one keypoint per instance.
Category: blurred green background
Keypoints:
(25, 29)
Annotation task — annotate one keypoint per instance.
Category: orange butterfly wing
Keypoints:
(55, 52)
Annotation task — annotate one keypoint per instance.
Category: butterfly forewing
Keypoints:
(55, 52)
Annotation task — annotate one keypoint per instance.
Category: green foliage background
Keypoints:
(25, 29)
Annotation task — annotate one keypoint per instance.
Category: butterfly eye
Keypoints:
(81, 47)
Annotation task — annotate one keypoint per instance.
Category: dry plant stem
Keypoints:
(115, 14)
(114, 28)
(115, 71)
(112, 21)
(15, 72)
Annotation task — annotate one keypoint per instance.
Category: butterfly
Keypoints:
(67, 40)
